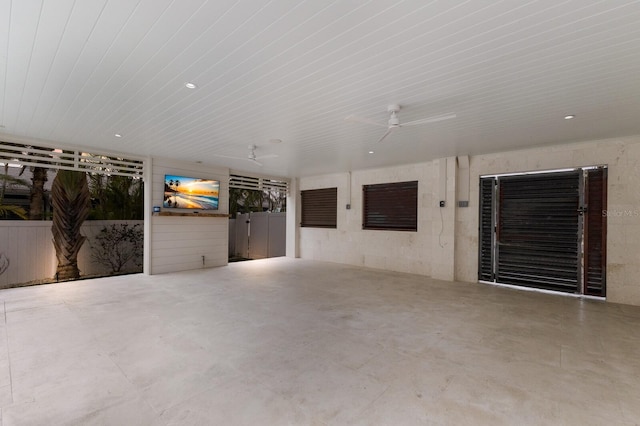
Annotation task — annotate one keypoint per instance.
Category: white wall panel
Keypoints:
(179, 242)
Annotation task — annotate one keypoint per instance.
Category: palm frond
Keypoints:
(6, 210)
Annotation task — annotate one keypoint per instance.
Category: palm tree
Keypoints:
(175, 194)
(71, 204)
(38, 179)
(246, 200)
(116, 197)
(6, 211)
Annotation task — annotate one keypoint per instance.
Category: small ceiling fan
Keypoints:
(251, 156)
(394, 121)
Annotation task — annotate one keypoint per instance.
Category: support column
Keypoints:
(444, 220)
(148, 214)
(293, 219)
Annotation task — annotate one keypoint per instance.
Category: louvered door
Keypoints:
(537, 234)
(487, 225)
(534, 229)
(595, 232)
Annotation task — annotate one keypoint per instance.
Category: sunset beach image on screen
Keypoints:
(183, 192)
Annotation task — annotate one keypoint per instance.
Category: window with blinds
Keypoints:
(390, 206)
(319, 208)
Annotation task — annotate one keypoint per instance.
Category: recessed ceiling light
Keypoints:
(569, 117)
(275, 140)
(118, 135)
(190, 85)
(370, 152)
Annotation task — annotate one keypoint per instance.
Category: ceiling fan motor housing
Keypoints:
(394, 121)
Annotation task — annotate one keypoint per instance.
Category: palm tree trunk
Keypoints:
(36, 207)
(71, 206)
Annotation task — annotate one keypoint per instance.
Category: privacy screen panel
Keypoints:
(391, 206)
(319, 208)
(487, 225)
(538, 231)
(595, 232)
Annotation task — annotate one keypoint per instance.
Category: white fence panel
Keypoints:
(232, 237)
(277, 234)
(242, 235)
(258, 235)
(28, 248)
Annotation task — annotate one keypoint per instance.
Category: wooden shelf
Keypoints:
(193, 214)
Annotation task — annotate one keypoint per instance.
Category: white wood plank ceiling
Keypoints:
(76, 72)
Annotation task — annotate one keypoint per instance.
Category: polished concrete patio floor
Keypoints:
(288, 341)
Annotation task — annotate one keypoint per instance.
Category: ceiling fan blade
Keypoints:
(363, 120)
(267, 156)
(433, 119)
(387, 133)
(228, 156)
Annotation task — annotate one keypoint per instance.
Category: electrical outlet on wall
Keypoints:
(442, 203)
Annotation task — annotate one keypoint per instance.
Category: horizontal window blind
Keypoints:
(391, 206)
(319, 208)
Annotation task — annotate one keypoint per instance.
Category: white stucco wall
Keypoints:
(451, 252)
(622, 156)
(429, 251)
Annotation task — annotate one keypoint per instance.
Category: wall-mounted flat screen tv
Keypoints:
(181, 192)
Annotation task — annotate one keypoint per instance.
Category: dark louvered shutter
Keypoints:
(391, 206)
(595, 231)
(537, 234)
(487, 225)
(319, 208)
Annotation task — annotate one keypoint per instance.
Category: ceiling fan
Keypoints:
(394, 121)
(251, 156)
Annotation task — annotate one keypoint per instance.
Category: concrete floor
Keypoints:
(284, 341)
